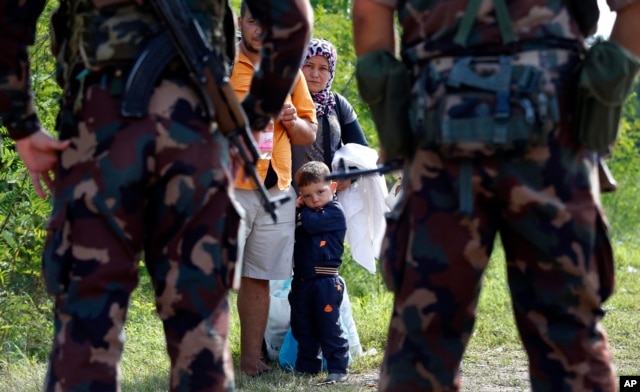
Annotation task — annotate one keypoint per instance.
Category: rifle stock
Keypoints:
(607, 182)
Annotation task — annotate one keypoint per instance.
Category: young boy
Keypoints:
(317, 289)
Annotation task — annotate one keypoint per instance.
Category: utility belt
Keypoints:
(480, 106)
(467, 107)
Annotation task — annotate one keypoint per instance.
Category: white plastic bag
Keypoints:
(364, 205)
(279, 317)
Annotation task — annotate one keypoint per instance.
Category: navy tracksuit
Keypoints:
(317, 290)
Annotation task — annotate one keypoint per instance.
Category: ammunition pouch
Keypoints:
(605, 81)
(383, 82)
(483, 106)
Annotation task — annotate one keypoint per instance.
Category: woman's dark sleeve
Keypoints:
(351, 131)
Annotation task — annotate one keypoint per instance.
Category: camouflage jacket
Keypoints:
(92, 33)
(429, 26)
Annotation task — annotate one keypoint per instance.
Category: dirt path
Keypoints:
(490, 372)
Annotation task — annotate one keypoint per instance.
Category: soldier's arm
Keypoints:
(626, 29)
(17, 32)
(373, 27)
(287, 27)
(36, 147)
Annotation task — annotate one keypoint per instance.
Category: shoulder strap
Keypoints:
(502, 14)
(326, 140)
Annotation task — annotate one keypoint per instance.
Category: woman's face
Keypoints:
(316, 71)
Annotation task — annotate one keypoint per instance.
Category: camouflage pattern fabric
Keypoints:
(462, 119)
(126, 187)
(429, 27)
(543, 202)
(17, 30)
(559, 265)
(92, 34)
(157, 187)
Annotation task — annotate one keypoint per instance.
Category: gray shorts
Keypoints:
(268, 250)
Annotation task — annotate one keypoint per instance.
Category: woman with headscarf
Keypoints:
(337, 121)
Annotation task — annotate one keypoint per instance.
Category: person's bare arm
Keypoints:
(301, 131)
(373, 27)
(626, 30)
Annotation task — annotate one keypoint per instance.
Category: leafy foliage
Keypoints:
(622, 206)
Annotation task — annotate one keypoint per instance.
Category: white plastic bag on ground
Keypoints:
(289, 346)
(279, 317)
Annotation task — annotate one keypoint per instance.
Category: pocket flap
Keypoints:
(608, 73)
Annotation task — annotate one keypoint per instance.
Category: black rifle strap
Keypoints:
(326, 140)
(338, 111)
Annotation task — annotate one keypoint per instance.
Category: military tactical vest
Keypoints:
(91, 34)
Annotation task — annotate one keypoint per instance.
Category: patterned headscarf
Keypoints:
(324, 99)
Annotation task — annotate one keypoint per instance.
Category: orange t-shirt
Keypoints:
(281, 156)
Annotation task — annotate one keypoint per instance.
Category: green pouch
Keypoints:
(383, 82)
(605, 81)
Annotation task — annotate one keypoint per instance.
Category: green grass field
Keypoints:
(494, 359)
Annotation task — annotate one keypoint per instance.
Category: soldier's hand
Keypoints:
(40, 152)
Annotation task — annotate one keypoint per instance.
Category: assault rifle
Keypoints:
(607, 182)
(344, 173)
(184, 38)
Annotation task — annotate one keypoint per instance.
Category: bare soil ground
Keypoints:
(491, 372)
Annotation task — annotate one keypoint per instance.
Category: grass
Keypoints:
(494, 359)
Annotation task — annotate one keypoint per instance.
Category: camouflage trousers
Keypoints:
(545, 207)
(158, 188)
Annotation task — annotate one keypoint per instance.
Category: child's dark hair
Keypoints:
(243, 8)
(312, 173)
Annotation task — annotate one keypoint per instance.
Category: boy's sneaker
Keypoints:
(334, 378)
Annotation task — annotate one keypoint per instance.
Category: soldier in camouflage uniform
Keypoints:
(539, 192)
(158, 186)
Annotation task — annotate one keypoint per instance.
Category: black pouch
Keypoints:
(383, 82)
(482, 106)
(605, 80)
